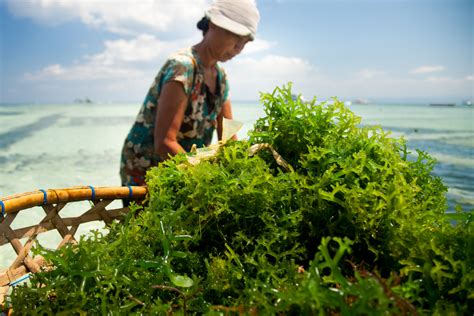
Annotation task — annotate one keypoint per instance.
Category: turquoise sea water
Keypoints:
(64, 145)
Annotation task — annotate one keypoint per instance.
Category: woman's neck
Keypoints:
(205, 55)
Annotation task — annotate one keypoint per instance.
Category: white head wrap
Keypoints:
(240, 17)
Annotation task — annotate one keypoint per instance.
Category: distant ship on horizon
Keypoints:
(360, 101)
(85, 100)
(442, 104)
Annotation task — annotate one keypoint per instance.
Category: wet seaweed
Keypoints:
(349, 227)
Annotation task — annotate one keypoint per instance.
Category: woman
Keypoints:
(190, 95)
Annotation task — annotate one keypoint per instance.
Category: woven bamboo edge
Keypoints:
(52, 201)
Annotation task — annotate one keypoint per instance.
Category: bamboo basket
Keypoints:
(52, 202)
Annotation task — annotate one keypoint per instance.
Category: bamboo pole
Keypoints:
(26, 200)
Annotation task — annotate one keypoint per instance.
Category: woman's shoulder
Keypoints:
(182, 57)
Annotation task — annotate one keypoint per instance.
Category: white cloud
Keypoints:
(120, 58)
(427, 69)
(81, 73)
(274, 65)
(249, 75)
(143, 48)
(469, 78)
(368, 73)
(435, 79)
(258, 45)
(124, 17)
(54, 70)
(403, 87)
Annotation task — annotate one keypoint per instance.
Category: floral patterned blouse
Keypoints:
(200, 117)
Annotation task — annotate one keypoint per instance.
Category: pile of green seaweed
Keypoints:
(351, 225)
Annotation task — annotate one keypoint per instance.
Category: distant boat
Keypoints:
(360, 101)
(467, 102)
(85, 100)
(442, 104)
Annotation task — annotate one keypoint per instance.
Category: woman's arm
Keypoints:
(169, 116)
(226, 112)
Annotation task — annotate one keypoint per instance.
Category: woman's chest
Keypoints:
(210, 78)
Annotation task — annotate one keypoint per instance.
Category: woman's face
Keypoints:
(225, 45)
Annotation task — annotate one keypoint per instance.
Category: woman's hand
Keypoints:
(169, 116)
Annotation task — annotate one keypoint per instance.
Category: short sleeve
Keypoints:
(178, 68)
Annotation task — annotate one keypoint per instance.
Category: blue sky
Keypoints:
(110, 51)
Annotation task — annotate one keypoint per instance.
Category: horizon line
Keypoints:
(417, 100)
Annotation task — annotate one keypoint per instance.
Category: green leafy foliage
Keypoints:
(354, 227)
